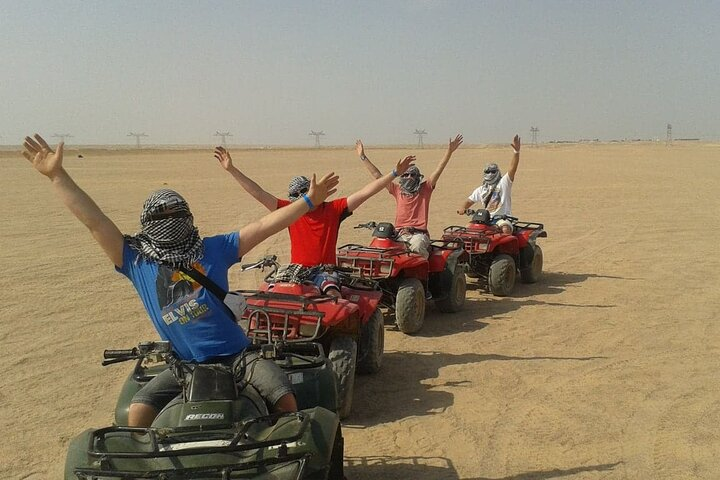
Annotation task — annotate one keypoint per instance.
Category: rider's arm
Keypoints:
(516, 158)
(468, 203)
(255, 190)
(359, 197)
(281, 218)
(452, 146)
(371, 168)
(49, 163)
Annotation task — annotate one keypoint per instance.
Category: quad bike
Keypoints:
(219, 427)
(406, 277)
(497, 257)
(350, 329)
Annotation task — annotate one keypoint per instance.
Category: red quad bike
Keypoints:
(404, 276)
(350, 329)
(496, 257)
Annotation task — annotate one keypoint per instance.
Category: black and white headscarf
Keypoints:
(298, 186)
(491, 177)
(410, 181)
(168, 235)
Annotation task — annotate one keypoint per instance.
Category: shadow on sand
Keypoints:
(441, 468)
(406, 388)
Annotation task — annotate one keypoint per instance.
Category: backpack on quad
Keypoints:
(405, 277)
(496, 258)
(350, 329)
(218, 427)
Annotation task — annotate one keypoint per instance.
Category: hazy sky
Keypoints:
(270, 71)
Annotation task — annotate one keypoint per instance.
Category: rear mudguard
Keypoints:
(268, 444)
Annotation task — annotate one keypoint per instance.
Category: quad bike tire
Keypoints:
(410, 305)
(501, 278)
(455, 299)
(372, 344)
(343, 356)
(532, 273)
(337, 458)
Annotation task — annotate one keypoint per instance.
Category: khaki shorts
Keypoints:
(419, 242)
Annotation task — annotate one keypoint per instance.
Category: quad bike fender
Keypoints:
(507, 244)
(442, 258)
(366, 300)
(527, 236)
(415, 269)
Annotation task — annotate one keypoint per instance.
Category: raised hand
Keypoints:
(223, 156)
(359, 148)
(516, 143)
(454, 144)
(404, 164)
(320, 190)
(41, 156)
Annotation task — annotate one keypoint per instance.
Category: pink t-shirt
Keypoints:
(412, 210)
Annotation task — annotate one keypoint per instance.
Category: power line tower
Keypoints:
(137, 137)
(62, 136)
(420, 133)
(534, 132)
(222, 136)
(317, 137)
(668, 138)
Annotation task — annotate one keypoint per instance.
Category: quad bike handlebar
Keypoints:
(267, 261)
(368, 225)
(144, 349)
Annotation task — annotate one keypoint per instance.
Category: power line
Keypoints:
(534, 132)
(317, 137)
(223, 135)
(420, 134)
(137, 137)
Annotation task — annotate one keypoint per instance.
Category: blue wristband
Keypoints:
(394, 173)
(308, 201)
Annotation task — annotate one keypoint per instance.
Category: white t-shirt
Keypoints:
(500, 202)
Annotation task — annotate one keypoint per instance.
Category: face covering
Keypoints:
(410, 181)
(298, 186)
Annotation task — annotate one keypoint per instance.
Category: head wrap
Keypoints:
(298, 186)
(168, 235)
(410, 181)
(491, 177)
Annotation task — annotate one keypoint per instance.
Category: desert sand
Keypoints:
(605, 369)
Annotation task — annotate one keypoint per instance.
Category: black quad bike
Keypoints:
(219, 427)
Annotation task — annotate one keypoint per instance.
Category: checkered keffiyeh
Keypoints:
(410, 181)
(297, 187)
(491, 177)
(168, 235)
(295, 273)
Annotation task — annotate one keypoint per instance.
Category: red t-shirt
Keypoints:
(412, 210)
(313, 237)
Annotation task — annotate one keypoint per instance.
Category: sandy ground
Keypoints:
(606, 369)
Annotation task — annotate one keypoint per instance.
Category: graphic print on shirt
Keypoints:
(178, 296)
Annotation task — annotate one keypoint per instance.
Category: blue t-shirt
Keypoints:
(186, 314)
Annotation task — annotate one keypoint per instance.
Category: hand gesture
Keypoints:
(223, 156)
(45, 161)
(461, 211)
(454, 144)
(359, 148)
(404, 164)
(320, 191)
(516, 144)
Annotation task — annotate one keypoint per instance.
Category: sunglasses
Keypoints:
(491, 171)
(300, 192)
(407, 175)
(166, 215)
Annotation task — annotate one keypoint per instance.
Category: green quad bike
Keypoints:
(219, 428)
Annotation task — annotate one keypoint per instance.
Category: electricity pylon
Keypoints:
(137, 137)
(222, 136)
(420, 134)
(317, 137)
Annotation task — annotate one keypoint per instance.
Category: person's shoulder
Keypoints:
(222, 238)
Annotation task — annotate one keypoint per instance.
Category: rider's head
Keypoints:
(504, 225)
(298, 187)
(410, 180)
(166, 218)
(491, 174)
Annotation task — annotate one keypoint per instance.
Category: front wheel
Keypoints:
(455, 298)
(410, 305)
(531, 274)
(372, 344)
(502, 275)
(343, 356)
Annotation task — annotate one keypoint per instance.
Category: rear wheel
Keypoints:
(455, 299)
(336, 459)
(410, 305)
(532, 273)
(501, 279)
(343, 355)
(372, 344)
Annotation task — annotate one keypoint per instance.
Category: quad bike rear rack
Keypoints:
(187, 441)
(378, 267)
(473, 241)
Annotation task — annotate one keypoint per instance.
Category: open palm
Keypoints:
(42, 157)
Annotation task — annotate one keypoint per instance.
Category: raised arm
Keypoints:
(267, 199)
(371, 168)
(281, 218)
(359, 197)
(516, 158)
(452, 146)
(49, 163)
